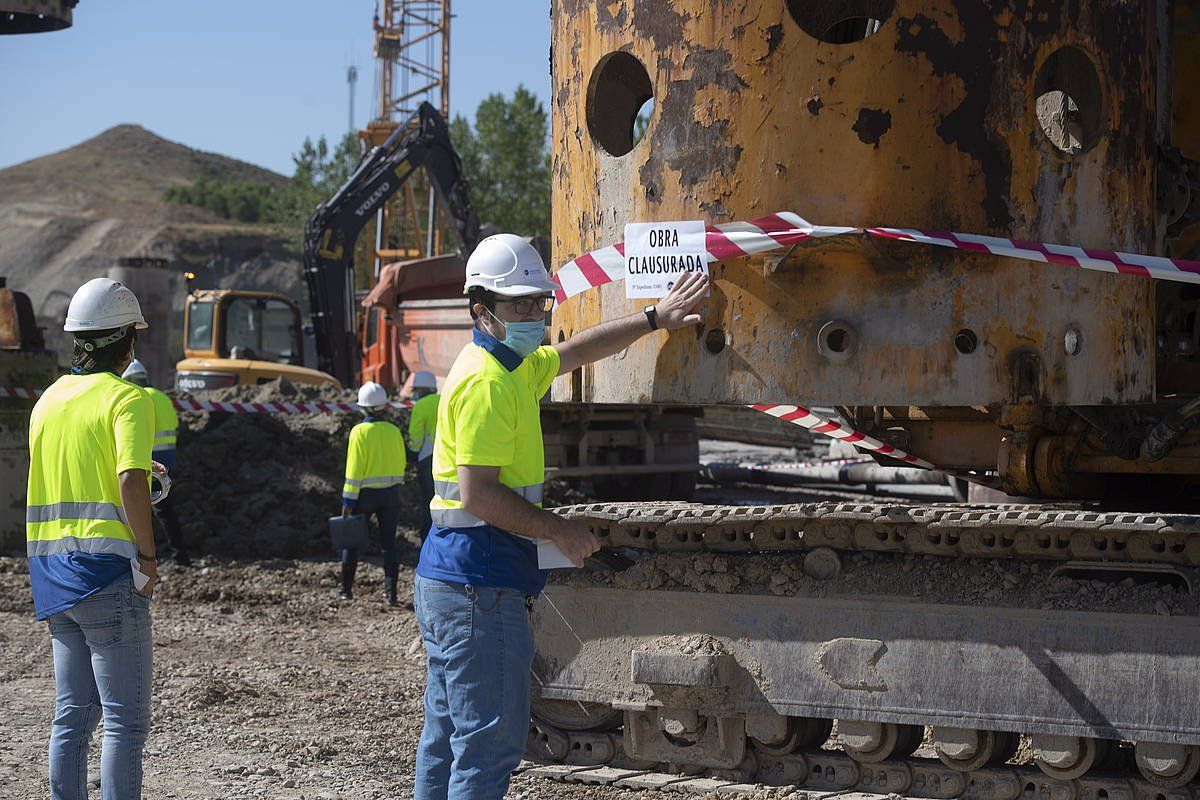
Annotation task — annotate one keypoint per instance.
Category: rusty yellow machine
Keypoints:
(738, 636)
(235, 336)
(25, 365)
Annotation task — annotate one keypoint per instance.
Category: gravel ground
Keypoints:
(264, 686)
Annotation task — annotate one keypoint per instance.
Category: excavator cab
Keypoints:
(234, 337)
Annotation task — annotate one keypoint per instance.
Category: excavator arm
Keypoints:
(331, 233)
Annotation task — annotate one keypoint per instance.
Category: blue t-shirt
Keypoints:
(60, 581)
(481, 556)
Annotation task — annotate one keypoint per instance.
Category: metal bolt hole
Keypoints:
(966, 342)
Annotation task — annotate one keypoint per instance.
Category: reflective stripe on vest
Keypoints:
(87, 544)
(381, 482)
(459, 517)
(122, 545)
(164, 437)
(107, 512)
(426, 449)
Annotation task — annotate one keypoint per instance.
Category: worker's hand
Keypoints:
(574, 540)
(676, 309)
(347, 510)
(149, 568)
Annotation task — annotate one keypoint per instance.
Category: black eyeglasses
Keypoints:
(527, 305)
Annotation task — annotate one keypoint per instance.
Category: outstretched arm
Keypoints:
(676, 310)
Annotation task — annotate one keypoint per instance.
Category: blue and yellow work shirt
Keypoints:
(489, 416)
(422, 423)
(83, 433)
(375, 458)
(166, 423)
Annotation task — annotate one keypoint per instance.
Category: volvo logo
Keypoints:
(373, 199)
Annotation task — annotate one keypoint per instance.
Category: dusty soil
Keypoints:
(264, 686)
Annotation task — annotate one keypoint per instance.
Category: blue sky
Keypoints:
(248, 79)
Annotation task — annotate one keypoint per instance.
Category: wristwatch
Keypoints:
(651, 313)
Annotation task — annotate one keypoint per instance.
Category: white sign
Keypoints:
(658, 253)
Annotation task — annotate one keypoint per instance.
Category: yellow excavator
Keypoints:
(235, 336)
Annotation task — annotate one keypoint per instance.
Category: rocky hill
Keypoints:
(66, 218)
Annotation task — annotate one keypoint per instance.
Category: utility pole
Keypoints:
(352, 79)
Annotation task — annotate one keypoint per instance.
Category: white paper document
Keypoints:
(140, 579)
(548, 554)
(658, 253)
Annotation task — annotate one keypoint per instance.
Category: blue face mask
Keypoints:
(522, 337)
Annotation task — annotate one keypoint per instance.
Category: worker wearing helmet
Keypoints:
(422, 424)
(375, 464)
(91, 544)
(166, 426)
(477, 575)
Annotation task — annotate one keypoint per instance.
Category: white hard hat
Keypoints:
(424, 380)
(103, 303)
(372, 395)
(135, 371)
(507, 264)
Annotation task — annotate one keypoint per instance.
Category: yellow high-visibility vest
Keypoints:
(375, 458)
(490, 416)
(166, 421)
(83, 433)
(422, 424)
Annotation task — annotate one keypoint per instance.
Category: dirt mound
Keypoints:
(255, 485)
(67, 217)
(264, 485)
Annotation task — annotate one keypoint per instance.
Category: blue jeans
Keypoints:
(385, 505)
(480, 649)
(101, 667)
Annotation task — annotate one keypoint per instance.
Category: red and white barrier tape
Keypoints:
(783, 229)
(794, 414)
(23, 394)
(1166, 269)
(799, 415)
(736, 239)
(233, 408)
(274, 408)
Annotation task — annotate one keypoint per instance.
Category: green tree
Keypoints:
(318, 174)
(507, 160)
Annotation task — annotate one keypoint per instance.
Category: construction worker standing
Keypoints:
(421, 427)
(476, 577)
(375, 463)
(91, 544)
(166, 426)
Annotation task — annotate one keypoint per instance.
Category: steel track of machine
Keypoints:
(745, 632)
